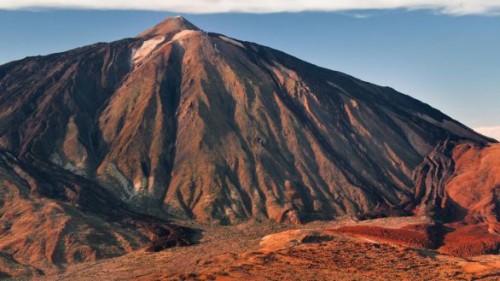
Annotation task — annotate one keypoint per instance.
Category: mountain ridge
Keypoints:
(179, 124)
(262, 58)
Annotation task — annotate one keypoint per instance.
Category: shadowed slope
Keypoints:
(181, 123)
(185, 123)
(51, 218)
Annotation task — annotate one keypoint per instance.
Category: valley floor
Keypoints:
(315, 251)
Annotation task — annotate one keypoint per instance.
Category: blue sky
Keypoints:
(449, 60)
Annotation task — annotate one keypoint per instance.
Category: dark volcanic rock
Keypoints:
(181, 123)
(190, 124)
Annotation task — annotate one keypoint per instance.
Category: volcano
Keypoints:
(104, 146)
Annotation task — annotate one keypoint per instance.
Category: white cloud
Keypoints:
(493, 132)
(453, 7)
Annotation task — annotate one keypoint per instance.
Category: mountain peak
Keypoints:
(170, 25)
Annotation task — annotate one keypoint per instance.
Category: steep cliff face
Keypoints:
(182, 123)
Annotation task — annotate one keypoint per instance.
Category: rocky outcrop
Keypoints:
(182, 123)
(474, 189)
(103, 144)
(50, 218)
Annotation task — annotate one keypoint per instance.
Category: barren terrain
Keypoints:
(115, 157)
(316, 251)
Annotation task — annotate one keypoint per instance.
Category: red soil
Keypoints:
(470, 240)
(460, 241)
(407, 237)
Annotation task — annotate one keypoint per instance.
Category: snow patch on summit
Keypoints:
(183, 34)
(146, 48)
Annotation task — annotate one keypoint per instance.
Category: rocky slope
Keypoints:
(179, 123)
(50, 218)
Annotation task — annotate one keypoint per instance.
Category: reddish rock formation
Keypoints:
(469, 208)
(51, 218)
(181, 123)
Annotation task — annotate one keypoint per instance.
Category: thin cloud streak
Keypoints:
(493, 132)
(451, 7)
